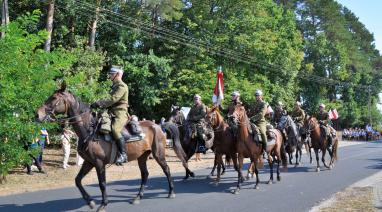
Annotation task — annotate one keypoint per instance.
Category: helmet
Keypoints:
(115, 69)
(322, 105)
(235, 93)
(258, 93)
(197, 96)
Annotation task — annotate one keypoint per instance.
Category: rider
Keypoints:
(117, 104)
(279, 112)
(235, 101)
(323, 119)
(298, 114)
(196, 118)
(257, 117)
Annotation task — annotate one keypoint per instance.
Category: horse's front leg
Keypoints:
(317, 160)
(257, 175)
(239, 174)
(270, 171)
(85, 169)
(100, 168)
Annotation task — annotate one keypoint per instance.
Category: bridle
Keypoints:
(51, 113)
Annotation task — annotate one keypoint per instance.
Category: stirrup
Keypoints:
(121, 159)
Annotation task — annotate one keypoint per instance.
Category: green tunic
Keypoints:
(117, 104)
(197, 113)
(257, 116)
(298, 115)
(324, 117)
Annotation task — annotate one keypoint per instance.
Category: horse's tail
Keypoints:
(173, 131)
(284, 161)
(335, 146)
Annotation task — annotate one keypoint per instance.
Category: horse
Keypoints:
(98, 152)
(319, 142)
(293, 138)
(188, 143)
(224, 142)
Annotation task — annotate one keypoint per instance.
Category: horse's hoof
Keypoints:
(330, 167)
(222, 173)
(278, 178)
(236, 191)
(192, 174)
(92, 204)
(101, 209)
(136, 201)
(171, 196)
(257, 187)
(317, 169)
(270, 182)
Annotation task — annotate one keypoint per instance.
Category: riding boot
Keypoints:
(122, 157)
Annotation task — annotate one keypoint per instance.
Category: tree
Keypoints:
(4, 16)
(49, 25)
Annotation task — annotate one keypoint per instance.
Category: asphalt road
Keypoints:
(299, 190)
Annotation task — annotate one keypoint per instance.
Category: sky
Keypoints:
(370, 14)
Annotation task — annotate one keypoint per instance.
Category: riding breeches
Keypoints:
(118, 123)
(263, 133)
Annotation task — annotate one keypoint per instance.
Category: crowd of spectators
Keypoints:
(360, 134)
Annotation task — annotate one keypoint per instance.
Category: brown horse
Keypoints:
(246, 147)
(319, 142)
(99, 153)
(224, 142)
(276, 150)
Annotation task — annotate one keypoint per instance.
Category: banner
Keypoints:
(219, 88)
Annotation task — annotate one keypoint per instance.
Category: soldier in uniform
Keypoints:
(279, 112)
(196, 118)
(117, 104)
(298, 114)
(323, 119)
(257, 117)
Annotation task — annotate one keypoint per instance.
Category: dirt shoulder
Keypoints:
(57, 177)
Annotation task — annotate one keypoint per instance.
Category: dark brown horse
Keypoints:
(224, 143)
(188, 143)
(319, 142)
(99, 153)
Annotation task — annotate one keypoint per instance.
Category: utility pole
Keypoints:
(4, 16)
(369, 104)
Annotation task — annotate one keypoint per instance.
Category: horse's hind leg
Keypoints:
(161, 160)
(144, 176)
(215, 164)
(270, 171)
(257, 175)
(323, 158)
(85, 169)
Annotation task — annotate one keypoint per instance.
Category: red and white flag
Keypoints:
(219, 88)
(333, 115)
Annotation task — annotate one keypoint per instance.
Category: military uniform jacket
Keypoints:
(257, 113)
(298, 115)
(279, 112)
(324, 117)
(197, 113)
(118, 99)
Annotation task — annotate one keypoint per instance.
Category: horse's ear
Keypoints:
(63, 87)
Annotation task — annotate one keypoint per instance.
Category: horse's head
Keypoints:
(177, 116)
(237, 115)
(213, 117)
(58, 103)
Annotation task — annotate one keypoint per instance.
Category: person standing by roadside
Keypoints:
(42, 140)
(66, 137)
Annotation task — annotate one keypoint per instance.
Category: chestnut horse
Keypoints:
(247, 147)
(99, 153)
(319, 142)
(224, 142)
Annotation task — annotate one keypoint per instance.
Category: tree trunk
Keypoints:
(93, 30)
(49, 25)
(4, 16)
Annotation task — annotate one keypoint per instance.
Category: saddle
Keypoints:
(131, 132)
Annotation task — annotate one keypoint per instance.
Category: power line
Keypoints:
(173, 36)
